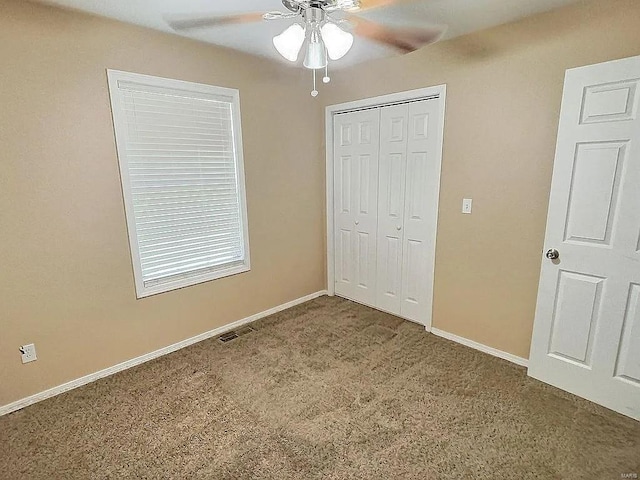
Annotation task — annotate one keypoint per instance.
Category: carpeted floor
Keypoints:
(330, 390)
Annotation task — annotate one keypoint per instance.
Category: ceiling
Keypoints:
(461, 17)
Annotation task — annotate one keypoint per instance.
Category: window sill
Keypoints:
(143, 291)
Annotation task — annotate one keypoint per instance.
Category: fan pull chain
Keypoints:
(314, 92)
(326, 78)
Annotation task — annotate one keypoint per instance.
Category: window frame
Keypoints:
(114, 78)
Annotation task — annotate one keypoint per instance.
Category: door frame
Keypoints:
(439, 92)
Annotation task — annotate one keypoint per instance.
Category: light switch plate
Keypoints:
(466, 205)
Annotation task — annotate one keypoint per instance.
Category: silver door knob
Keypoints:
(552, 254)
(357, 222)
(399, 227)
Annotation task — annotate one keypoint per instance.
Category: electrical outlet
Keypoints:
(28, 353)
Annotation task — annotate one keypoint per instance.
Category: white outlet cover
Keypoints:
(28, 353)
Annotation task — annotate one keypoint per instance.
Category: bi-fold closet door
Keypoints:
(356, 150)
(385, 187)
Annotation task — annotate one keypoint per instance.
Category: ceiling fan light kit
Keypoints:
(321, 34)
(325, 38)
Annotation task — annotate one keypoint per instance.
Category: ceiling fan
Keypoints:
(327, 27)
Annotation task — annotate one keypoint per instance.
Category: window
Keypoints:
(180, 154)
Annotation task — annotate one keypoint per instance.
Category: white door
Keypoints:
(391, 200)
(420, 209)
(586, 336)
(355, 204)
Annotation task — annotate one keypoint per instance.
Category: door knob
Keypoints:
(357, 222)
(399, 227)
(552, 254)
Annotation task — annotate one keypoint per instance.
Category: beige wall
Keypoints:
(66, 281)
(504, 88)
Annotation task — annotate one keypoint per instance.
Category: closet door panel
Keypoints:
(356, 150)
(419, 219)
(391, 206)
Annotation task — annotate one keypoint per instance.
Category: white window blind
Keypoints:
(180, 153)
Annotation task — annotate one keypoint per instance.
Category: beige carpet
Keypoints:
(330, 390)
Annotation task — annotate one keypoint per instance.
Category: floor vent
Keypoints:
(244, 330)
(233, 334)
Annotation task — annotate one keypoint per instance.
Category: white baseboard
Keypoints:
(523, 362)
(92, 377)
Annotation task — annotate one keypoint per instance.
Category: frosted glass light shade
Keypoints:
(316, 55)
(338, 41)
(289, 42)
